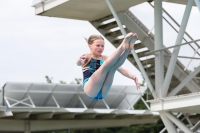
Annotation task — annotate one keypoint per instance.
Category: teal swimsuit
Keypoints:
(88, 70)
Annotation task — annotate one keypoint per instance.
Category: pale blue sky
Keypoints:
(34, 46)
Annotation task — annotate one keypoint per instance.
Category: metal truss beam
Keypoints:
(173, 60)
(184, 82)
(168, 124)
(132, 51)
(176, 121)
(185, 57)
(164, 129)
(196, 126)
(49, 125)
(178, 45)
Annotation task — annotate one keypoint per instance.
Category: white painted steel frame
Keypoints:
(197, 3)
(168, 124)
(175, 103)
(159, 67)
(158, 40)
(164, 129)
(151, 88)
(177, 45)
(179, 123)
(196, 126)
(132, 51)
(145, 103)
(173, 60)
(173, 27)
(191, 58)
(159, 60)
(19, 102)
(184, 82)
(12, 88)
(116, 17)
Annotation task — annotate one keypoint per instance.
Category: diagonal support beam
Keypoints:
(179, 39)
(144, 74)
(116, 17)
(196, 126)
(145, 103)
(184, 82)
(132, 51)
(197, 3)
(82, 102)
(176, 121)
(105, 104)
(168, 124)
(164, 129)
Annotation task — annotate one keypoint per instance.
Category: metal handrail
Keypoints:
(178, 26)
(134, 18)
(146, 30)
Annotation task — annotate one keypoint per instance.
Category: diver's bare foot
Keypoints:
(133, 39)
(129, 41)
(131, 46)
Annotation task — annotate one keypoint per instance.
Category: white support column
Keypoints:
(179, 39)
(27, 127)
(132, 51)
(185, 81)
(159, 58)
(179, 123)
(197, 3)
(168, 124)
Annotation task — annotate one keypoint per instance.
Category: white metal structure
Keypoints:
(34, 106)
(125, 20)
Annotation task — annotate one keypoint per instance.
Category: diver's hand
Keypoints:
(136, 82)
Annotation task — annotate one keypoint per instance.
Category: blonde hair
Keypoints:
(92, 38)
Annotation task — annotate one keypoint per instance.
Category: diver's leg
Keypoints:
(101, 80)
(110, 76)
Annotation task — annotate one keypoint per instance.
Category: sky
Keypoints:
(35, 46)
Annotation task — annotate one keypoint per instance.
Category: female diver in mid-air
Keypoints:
(99, 70)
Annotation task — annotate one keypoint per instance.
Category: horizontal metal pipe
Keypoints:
(171, 47)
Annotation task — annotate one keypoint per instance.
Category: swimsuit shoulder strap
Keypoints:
(103, 57)
(87, 60)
